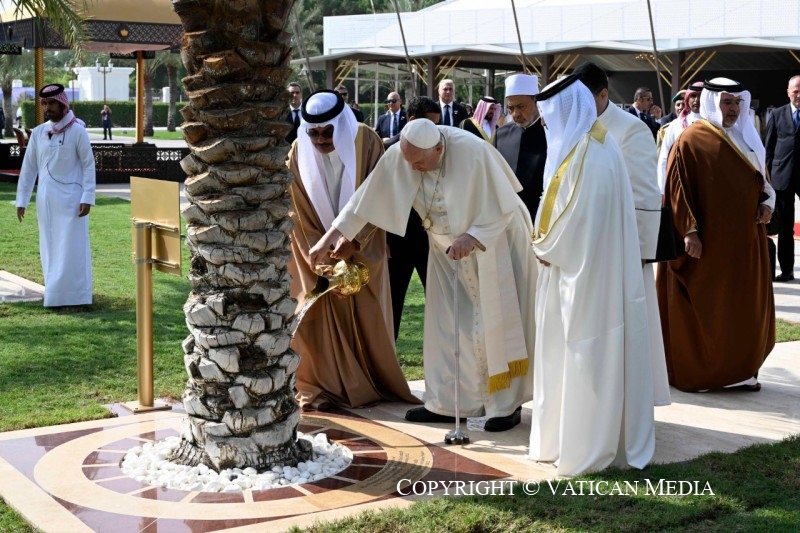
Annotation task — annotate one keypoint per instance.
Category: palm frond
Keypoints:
(67, 17)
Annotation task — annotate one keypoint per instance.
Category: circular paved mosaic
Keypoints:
(84, 472)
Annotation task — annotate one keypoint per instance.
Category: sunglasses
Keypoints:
(391, 101)
(327, 133)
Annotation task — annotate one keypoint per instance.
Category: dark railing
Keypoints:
(115, 163)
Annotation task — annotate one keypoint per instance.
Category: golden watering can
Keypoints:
(347, 277)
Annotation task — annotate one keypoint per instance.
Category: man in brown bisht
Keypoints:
(716, 301)
(346, 344)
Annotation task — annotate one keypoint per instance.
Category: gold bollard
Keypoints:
(143, 239)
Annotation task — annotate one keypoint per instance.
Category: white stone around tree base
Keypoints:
(148, 464)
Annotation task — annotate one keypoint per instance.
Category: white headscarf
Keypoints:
(319, 110)
(568, 115)
(743, 130)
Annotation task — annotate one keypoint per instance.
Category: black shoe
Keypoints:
(504, 423)
(420, 414)
(785, 277)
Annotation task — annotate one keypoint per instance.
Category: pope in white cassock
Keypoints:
(60, 156)
(593, 399)
(466, 196)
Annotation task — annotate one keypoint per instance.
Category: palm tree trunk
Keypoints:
(240, 392)
(148, 105)
(8, 115)
(172, 76)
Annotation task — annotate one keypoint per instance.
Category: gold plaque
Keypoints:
(158, 203)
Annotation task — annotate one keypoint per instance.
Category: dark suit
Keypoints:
(405, 254)
(357, 112)
(525, 151)
(648, 119)
(384, 126)
(289, 117)
(458, 111)
(783, 163)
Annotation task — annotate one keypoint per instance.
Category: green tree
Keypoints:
(11, 68)
(240, 392)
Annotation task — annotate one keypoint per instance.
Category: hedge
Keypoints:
(123, 114)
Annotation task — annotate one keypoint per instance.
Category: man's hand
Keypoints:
(462, 246)
(20, 213)
(692, 245)
(320, 251)
(763, 215)
(83, 210)
(343, 249)
(656, 112)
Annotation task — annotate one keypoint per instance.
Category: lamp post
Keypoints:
(104, 70)
(72, 72)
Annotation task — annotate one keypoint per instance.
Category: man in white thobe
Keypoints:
(478, 230)
(60, 155)
(593, 401)
(639, 151)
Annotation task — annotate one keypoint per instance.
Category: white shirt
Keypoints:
(334, 169)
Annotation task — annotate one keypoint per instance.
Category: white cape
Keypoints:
(593, 403)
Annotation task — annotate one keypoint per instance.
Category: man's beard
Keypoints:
(52, 116)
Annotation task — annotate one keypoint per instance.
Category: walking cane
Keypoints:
(456, 436)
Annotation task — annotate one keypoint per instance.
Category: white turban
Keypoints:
(522, 85)
(321, 109)
(568, 110)
(744, 130)
(422, 133)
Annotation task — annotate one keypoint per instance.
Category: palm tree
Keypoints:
(148, 74)
(66, 17)
(239, 395)
(11, 68)
(172, 63)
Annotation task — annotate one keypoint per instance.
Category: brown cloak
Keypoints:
(346, 344)
(717, 312)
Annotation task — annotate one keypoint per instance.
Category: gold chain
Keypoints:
(426, 221)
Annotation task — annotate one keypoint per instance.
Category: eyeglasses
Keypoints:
(327, 133)
(391, 101)
(646, 97)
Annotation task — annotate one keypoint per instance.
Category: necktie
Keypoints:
(296, 117)
(796, 118)
(394, 125)
(446, 120)
(643, 117)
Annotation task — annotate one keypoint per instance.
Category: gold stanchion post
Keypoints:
(143, 240)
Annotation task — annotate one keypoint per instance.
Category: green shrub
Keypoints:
(123, 114)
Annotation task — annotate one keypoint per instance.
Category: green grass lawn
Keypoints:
(59, 367)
